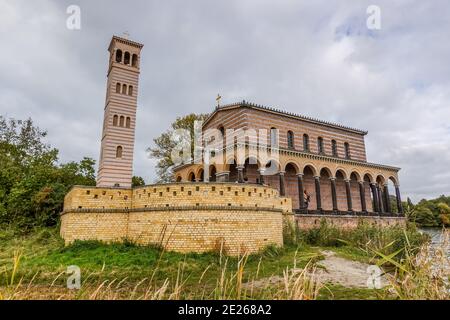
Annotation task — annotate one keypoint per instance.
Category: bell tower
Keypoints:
(117, 148)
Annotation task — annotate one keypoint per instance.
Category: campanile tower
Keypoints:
(116, 154)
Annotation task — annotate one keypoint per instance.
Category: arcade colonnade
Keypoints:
(314, 186)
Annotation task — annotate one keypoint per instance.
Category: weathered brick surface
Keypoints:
(181, 217)
(306, 222)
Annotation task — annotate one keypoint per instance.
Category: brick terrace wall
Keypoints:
(196, 230)
(182, 217)
(307, 222)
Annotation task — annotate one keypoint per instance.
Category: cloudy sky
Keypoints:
(316, 58)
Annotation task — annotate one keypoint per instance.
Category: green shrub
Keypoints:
(366, 237)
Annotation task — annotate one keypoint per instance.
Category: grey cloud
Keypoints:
(309, 57)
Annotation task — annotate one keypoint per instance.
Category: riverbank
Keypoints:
(438, 237)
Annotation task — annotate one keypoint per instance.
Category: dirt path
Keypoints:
(332, 269)
(345, 272)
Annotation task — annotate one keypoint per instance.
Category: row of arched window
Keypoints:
(124, 89)
(306, 145)
(127, 58)
(121, 121)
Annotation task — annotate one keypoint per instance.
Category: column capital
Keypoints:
(240, 167)
(361, 182)
(262, 170)
(317, 177)
(347, 180)
(281, 173)
(332, 178)
(300, 174)
(218, 174)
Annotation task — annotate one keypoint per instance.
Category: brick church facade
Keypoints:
(321, 166)
(238, 202)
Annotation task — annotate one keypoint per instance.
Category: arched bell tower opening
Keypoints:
(116, 162)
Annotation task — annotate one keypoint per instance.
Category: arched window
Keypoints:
(119, 152)
(126, 58)
(222, 131)
(128, 122)
(122, 121)
(320, 145)
(119, 56)
(290, 139)
(118, 87)
(334, 148)
(124, 89)
(115, 120)
(273, 137)
(305, 142)
(347, 150)
(134, 60)
(130, 90)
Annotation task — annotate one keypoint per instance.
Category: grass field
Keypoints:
(33, 266)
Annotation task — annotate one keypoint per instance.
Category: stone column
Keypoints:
(261, 176)
(333, 194)
(380, 199)
(240, 170)
(376, 203)
(206, 174)
(399, 199)
(301, 194)
(282, 186)
(387, 199)
(362, 194)
(318, 196)
(349, 195)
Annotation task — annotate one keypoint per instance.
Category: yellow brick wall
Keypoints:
(176, 195)
(97, 198)
(183, 231)
(183, 217)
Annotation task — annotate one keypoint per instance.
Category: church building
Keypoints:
(237, 203)
(321, 166)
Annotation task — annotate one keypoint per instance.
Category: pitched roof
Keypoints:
(246, 104)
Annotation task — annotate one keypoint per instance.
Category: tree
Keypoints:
(32, 183)
(424, 217)
(164, 145)
(137, 181)
(444, 211)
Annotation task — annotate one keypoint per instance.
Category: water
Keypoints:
(437, 237)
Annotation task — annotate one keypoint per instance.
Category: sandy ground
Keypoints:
(332, 269)
(346, 272)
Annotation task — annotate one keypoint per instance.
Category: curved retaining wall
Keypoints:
(313, 221)
(181, 217)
